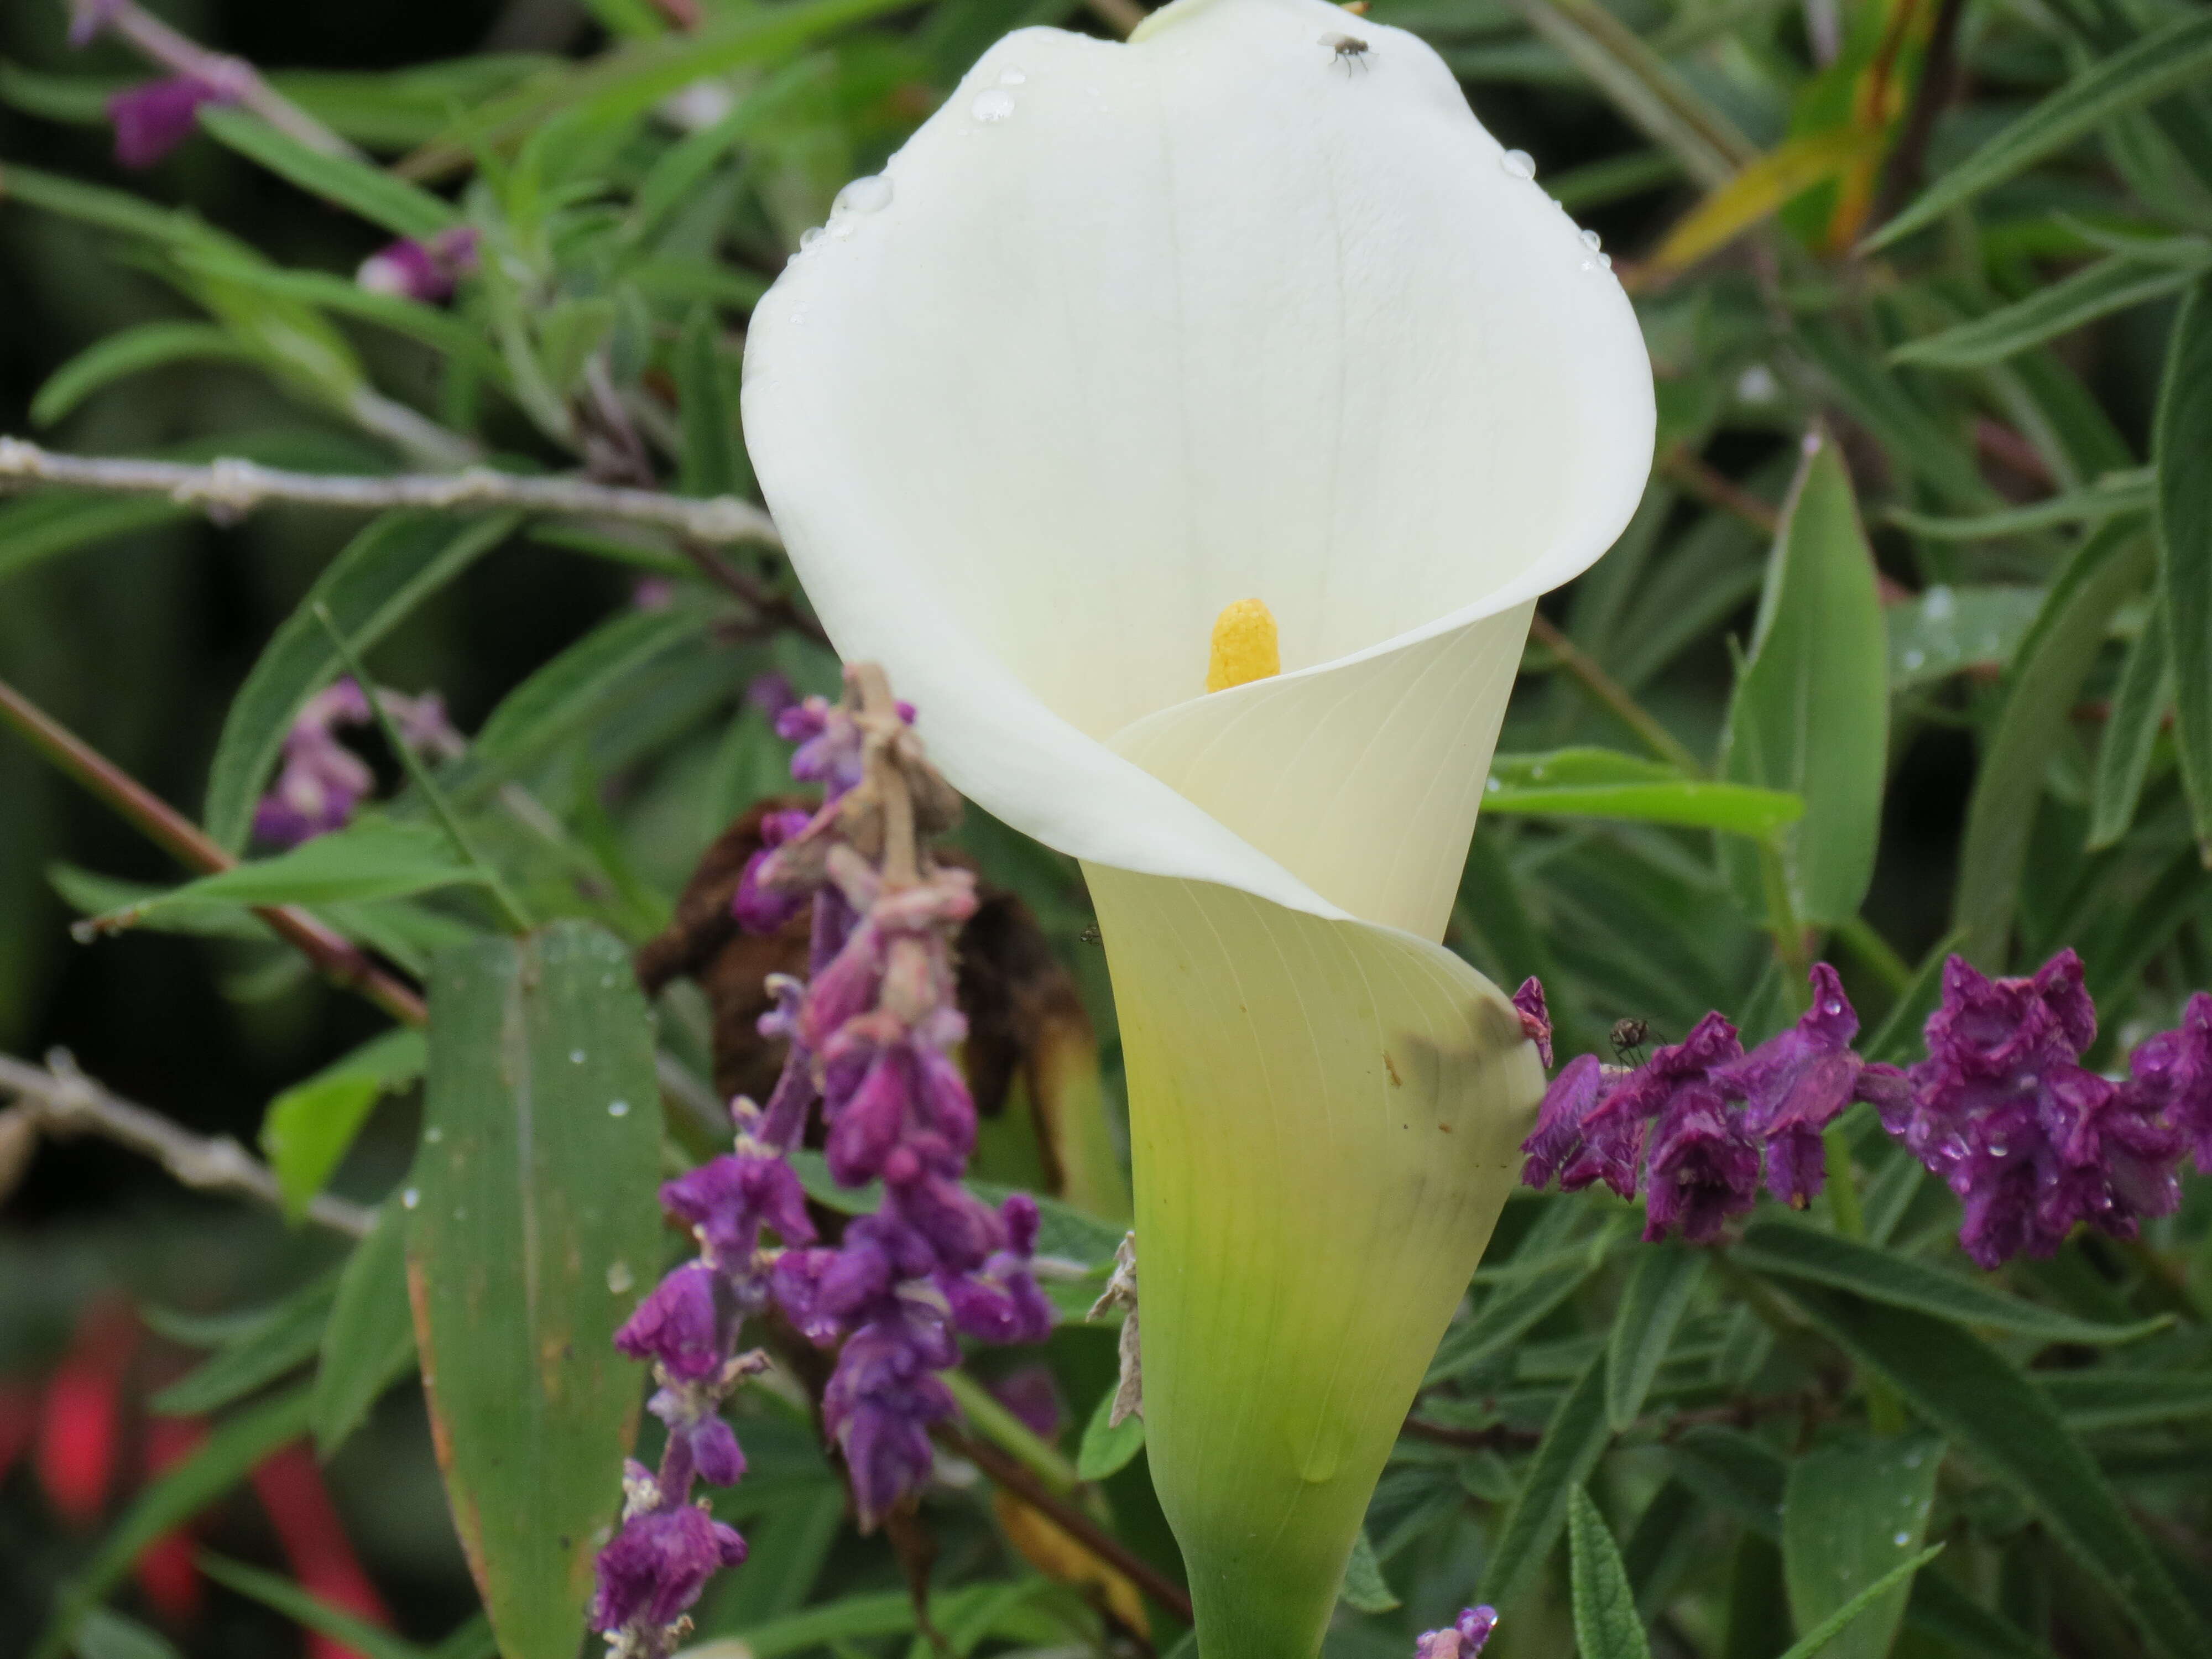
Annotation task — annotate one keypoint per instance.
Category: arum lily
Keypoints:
(1127, 338)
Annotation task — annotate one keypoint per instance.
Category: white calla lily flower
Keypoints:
(1249, 307)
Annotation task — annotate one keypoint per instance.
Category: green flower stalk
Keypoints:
(1189, 427)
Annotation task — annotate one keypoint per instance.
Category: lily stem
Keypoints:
(1613, 696)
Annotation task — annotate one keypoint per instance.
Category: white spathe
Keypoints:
(1138, 330)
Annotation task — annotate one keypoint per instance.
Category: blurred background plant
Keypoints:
(1968, 239)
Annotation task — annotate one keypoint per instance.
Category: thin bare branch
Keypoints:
(230, 488)
(62, 1101)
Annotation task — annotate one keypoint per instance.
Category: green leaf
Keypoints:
(2046, 681)
(1509, 1312)
(1946, 629)
(2103, 1398)
(2094, 291)
(1914, 441)
(1852, 1510)
(1799, 1251)
(108, 1634)
(297, 1603)
(131, 351)
(280, 1338)
(439, 330)
(370, 859)
(186, 1488)
(1811, 710)
(2156, 65)
(534, 1217)
(1365, 1590)
(2182, 440)
(394, 564)
(1642, 86)
(1652, 1303)
(569, 693)
(2128, 491)
(369, 1343)
(1605, 1625)
(1105, 1446)
(92, 895)
(2146, 692)
(308, 1129)
(1816, 1640)
(714, 456)
(1995, 1416)
(855, 1619)
(1573, 1441)
(1602, 783)
(403, 209)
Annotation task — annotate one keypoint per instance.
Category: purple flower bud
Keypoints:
(647, 592)
(1575, 1144)
(657, 1566)
(1461, 1639)
(1796, 1083)
(1020, 1213)
(879, 1406)
(423, 271)
(844, 989)
(708, 1446)
(153, 118)
(88, 18)
(678, 1325)
(864, 1127)
(830, 745)
(1703, 1167)
(772, 693)
(1001, 1303)
(1031, 1392)
(887, 1451)
(729, 1199)
(1535, 1018)
(2172, 1074)
(961, 1228)
(760, 909)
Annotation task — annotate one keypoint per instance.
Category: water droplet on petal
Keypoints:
(1517, 164)
(996, 105)
(1592, 241)
(618, 1108)
(870, 193)
(809, 237)
(619, 1278)
(1605, 262)
(1011, 77)
(1831, 1007)
(1902, 1539)
(843, 227)
(409, 1199)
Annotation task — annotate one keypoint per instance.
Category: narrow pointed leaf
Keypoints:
(2046, 680)
(1761, 190)
(1996, 1417)
(1795, 1250)
(1810, 714)
(284, 1337)
(1606, 1622)
(2146, 692)
(1107, 1446)
(307, 1130)
(2115, 494)
(1573, 1441)
(2183, 440)
(1365, 1590)
(369, 1343)
(1602, 783)
(374, 859)
(403, 209)
(382, 575)
(2156, 65)
(533, 1223)
(2105, 1399)
(133, 351)
(1816, 1640)
(288, 1597)
(1947, 629)
(2098, 290)
(1651, 1307)
(714, 454)
(1853, 1510)
(1942, 1610)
